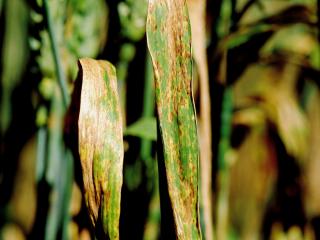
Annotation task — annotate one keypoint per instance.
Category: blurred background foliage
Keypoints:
(262, 63)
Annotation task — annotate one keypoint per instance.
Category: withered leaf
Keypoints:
(101, 144)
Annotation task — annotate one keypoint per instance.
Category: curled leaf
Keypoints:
(169, 42)
(101, 144)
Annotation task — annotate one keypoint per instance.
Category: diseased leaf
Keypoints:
(169, 42)
(101, 144)
(145, 127)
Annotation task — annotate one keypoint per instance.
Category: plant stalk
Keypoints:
(56, 55)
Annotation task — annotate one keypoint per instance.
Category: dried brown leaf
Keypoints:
(101, 144)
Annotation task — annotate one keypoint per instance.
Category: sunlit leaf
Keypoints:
(143, 128)
(312, 193)
(275, 94)
(283, 110)
(249, 194)
(12, 231)
(291, 15)
(101, 144)
(294, 39)
(279, 13)
(315, 57)
(24, 189)
(169, 42)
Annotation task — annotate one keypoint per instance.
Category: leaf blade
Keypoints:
(101, 144)
(145, 127)
(169, 43)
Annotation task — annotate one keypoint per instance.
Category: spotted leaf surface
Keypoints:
(101, 144)
(169, 42)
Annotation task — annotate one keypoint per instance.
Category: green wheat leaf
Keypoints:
(145, 127)
(169, 42)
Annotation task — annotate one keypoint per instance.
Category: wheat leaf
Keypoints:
(169, 42)
(101, 144)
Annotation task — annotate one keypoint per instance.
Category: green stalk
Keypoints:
(66, 218)
(148, 97)
(56, 55)
(126, 55)
(148, 108)
(153, 219)
(226, 127)
(226, 24)
(56, 172)
(58, 215)
(151, 229)
(223, 165)
(42, 143)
